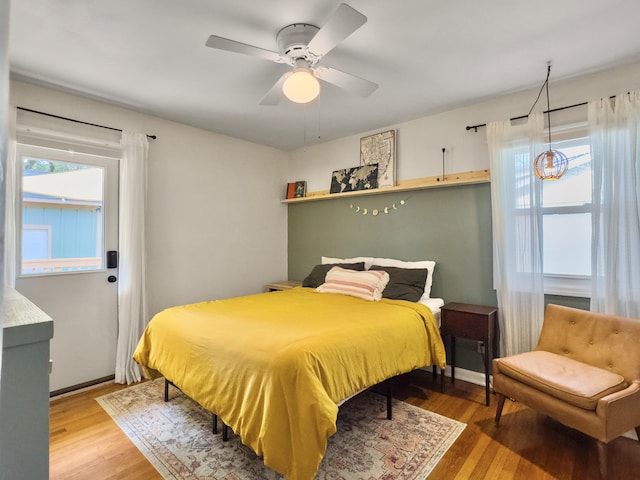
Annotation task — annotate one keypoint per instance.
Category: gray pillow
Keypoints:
(404, 283)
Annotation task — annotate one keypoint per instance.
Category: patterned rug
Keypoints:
(176, 438)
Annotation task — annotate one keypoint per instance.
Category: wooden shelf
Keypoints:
(463, 178)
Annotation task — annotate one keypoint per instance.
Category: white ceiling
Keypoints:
(426, 55)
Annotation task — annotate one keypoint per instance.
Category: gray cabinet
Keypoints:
(24, 390)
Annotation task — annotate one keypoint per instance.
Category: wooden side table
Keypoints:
(474, 322)
(283, 285)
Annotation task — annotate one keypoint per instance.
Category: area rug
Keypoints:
(176, 438)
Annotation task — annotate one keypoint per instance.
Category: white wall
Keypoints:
(215, 224)
(420, 141)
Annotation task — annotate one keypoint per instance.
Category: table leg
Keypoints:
(453, 358)
(488, 355)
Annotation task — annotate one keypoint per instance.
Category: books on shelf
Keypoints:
(296, 189)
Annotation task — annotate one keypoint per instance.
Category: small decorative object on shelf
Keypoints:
(353, 179)
(296, 189)
(301, 189)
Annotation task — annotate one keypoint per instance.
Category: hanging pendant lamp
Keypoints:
(551, 164)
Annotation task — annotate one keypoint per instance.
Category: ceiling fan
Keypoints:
(302, 46)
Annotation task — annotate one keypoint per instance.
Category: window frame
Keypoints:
(67, 156)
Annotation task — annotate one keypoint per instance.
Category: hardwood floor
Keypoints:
(87, 444)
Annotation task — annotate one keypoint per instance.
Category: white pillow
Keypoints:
(391, 262)
(367, 285)
(366, 260)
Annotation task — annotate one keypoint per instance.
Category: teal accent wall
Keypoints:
(450, 225)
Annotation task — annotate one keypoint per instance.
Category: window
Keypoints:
(566, 209)
(62, 212)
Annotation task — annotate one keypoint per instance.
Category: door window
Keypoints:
(62, 214)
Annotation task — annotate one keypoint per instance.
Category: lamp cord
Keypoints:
(545, 84)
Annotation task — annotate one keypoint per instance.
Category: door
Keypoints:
(68, 220)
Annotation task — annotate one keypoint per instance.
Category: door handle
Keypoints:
(112, 279)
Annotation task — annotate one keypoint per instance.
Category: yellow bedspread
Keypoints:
(273, 366)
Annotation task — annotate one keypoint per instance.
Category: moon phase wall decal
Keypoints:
(374, 212)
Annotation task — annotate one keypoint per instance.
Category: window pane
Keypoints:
(62, 216)
(574, 188)
(567, 244)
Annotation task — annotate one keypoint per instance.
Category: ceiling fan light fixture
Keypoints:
(302, 86)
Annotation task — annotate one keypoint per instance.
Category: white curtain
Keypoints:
(615, 151)
(132, 298)
(517, 231)
(10, 214)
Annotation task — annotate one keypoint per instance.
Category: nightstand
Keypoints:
(283, 285)
(474, 322)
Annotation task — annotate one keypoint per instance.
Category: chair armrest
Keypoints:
(621, 410)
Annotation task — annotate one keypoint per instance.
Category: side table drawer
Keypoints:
(465, 324)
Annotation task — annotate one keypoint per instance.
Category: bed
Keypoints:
(275, 366)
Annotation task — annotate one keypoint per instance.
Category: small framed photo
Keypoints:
(300, 189)
(380, 149)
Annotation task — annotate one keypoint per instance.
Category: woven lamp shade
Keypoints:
(550, 165)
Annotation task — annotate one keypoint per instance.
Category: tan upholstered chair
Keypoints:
(584, 373)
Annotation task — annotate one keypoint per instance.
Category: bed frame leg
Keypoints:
(225, 432)
(389, 390)
(166, 390)
(214, 423)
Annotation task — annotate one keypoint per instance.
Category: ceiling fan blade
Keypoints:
(274, 95)
(344, 21)
(238, 47)
(346, 81)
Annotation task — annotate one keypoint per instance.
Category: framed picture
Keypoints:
(380, 149)
(300, 189)
(296, 189)
(356, 178)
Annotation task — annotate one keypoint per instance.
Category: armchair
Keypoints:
(584, 373)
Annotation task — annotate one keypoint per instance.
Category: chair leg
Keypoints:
(638, 432)
(602, 458)
(501, 399)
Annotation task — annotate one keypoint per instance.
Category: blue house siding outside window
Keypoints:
(73, 232)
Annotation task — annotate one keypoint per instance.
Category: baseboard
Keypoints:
(477, 378)
(64, 392)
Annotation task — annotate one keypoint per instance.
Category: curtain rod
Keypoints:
(476, 127)
(153, 137)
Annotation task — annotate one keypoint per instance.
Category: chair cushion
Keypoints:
(574, 382)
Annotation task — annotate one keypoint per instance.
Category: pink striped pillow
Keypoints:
(367, 284)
